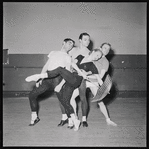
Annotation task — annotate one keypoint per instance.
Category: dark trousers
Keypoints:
(72, 82)
(47, 85)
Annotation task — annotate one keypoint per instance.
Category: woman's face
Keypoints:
(105, 49)
(96, 55)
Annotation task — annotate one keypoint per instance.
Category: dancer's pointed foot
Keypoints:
(35, 78)
(109, 122)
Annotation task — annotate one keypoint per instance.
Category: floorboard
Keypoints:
(128, 113)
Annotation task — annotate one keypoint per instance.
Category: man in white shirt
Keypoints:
(56, 59)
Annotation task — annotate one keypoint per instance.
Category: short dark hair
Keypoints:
(69, 39)
(106, 44)
(83, 34)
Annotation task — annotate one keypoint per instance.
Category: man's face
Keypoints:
(69, 45)
(85, 40)
(105, 49)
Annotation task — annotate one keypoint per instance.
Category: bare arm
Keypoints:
(99, 79)
(103, 71)
(78, 70)
(99, 76)
(96, 76)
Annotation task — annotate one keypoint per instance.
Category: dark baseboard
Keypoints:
(119, 94)
(132, 94)
(15, 94)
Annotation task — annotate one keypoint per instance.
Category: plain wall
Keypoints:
(38, 28)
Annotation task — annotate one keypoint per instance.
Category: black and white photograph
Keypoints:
(74, 74)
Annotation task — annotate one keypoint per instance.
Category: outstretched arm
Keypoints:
(78, 70)
(99, 79)
(96, 76)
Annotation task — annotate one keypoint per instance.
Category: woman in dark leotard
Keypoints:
(86, 64)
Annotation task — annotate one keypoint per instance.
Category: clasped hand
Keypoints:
(38, 83)
(85, 74)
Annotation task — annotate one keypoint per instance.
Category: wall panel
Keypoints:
(130, 79)
(14, 78)
(127, 71)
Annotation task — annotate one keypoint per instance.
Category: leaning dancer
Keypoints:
(64, 98)
(102, 65)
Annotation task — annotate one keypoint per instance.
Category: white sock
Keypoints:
(84, 118)
(33, 117)
(64, 116)
(73, 116)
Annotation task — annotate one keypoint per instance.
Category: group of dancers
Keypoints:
(69, 72)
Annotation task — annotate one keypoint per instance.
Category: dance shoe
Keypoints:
(35, 121)
(70, 127)
(35, 78)
(63, 122)
(84, 123)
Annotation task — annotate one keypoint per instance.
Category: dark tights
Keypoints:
(82, 94)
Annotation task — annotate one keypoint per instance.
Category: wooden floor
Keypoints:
(128, 113)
